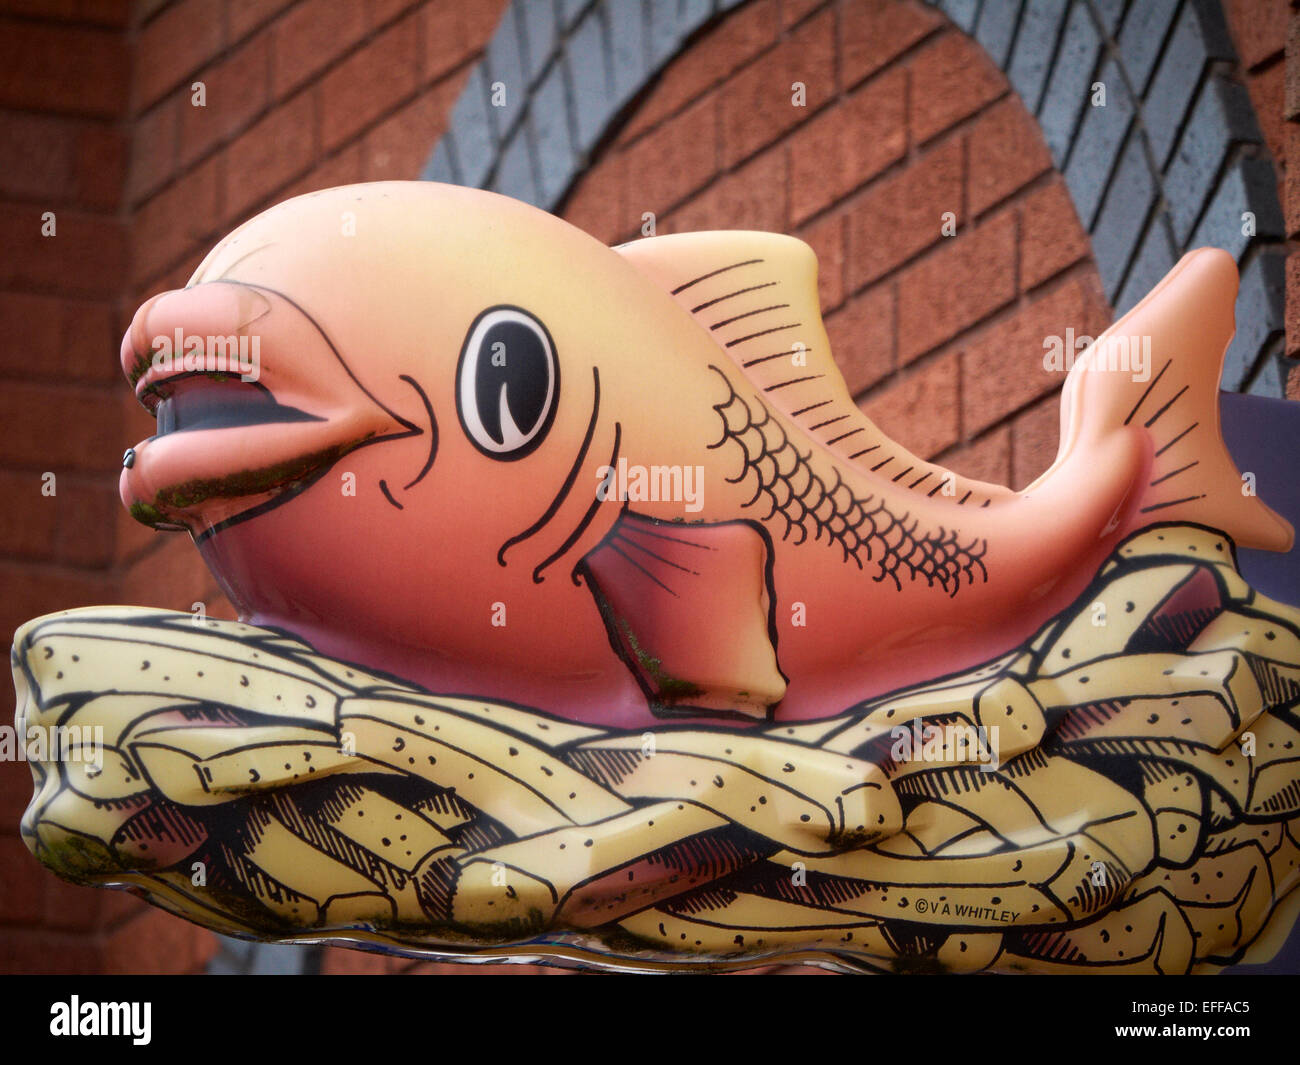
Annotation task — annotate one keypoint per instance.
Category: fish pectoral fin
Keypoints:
(689, 609)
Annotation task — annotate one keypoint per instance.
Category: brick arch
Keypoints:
(1171, 162)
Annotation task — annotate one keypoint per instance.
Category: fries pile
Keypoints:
(1144, 814)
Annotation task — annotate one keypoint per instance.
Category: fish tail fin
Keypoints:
(1156, 371)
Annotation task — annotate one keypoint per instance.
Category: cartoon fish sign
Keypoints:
(447, 435)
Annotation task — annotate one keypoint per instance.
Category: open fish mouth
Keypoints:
(194, 401)
(236, 434)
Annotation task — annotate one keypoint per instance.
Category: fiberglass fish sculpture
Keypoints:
(471, 446)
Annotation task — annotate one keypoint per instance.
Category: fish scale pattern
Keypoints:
(815, 508)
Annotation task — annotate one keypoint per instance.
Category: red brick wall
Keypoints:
(906, 119)
(97, 125)
(1266, 34)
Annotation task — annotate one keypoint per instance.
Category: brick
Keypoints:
(86, 512)
(548, 119)
(1140, 40)
(1192, 45)
(54, 428)
(873, 35)
(179, 219)
(473, 132)
(114, 14)
(1051, 238)
(309, 38)
(381, 12)
(1006, 153)
(155, 141)
(541, 34)
(723, 50)
(172, 577)
(757, 103)
(100, 166)
(371, 82)
(86, 257)
(1291, 181)
(35, 59)
(901, 215)
(1268, 98)
(919, 410)
(589, 77)
(174, 45)
(27, 528)
(1002, 367)
(1154, 259)
(595, 205)
(862, 338)
(514, 173)
(1070, 84)
(504, 63)
(752, 197)
(16, 784)
(1293, 69)
(31, 591)
(279, 147)
(793, 11)
(75, 908)
(1040, 24)
(1222, 115)
(46, 146)
(847, 145)
(1293, 383)
(1035, 439)
(996, 29)
(1261, 314)
(1293, 306)
(986, 459)
(674, 161)
(965, 279)
(156, 942)
(398, 147)
(1247, 185)
(1097, 145)
(628, 51)
(826, 238)
(30, 952)
(962, 12)
(336, 961)
(951, 79)
(237, 89)
(47, 337)
(1258, 28)
(1119, 224)
(244, 16)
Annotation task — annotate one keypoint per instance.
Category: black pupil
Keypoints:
(511, 354)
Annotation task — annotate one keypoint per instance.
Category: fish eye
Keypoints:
(507, 382)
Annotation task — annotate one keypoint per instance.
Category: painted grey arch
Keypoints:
(1174, 160)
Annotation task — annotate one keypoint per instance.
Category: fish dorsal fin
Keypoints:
(756, 294)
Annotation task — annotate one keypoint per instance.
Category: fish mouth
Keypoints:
(233, 439)
(188, 402)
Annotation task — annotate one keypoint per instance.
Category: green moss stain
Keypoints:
(279, 477)
(669, 688)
